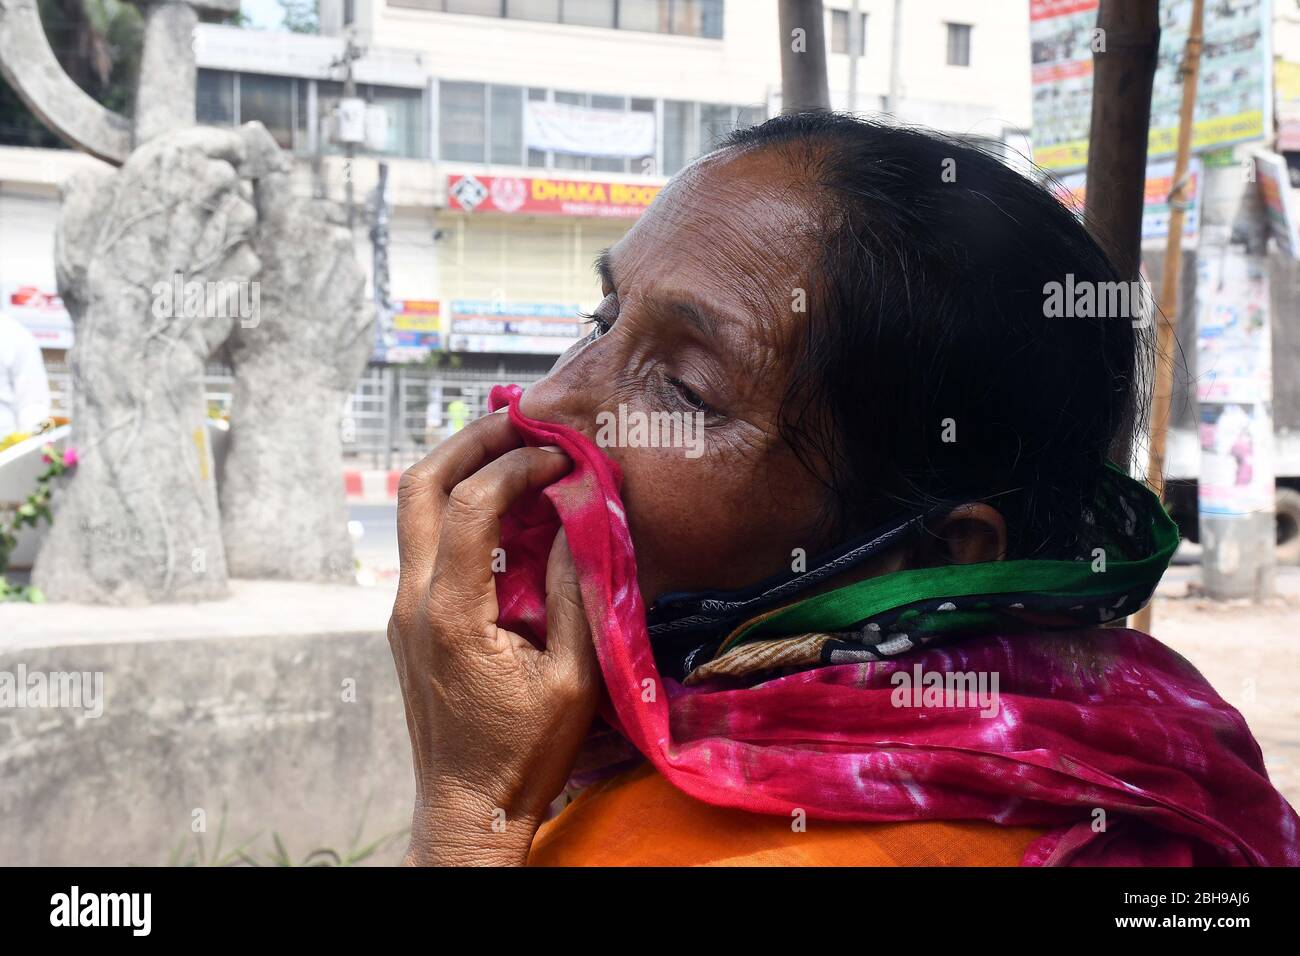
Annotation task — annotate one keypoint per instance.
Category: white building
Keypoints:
(523, 136)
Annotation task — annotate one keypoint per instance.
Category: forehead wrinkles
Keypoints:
(726, 232)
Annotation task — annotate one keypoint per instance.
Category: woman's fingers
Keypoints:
(568, 632)
(471, 531)
(423, 489)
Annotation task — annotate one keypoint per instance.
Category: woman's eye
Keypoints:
(603, 319)
(689, 396)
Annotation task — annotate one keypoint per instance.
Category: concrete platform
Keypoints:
(254, 608)
(280, 704)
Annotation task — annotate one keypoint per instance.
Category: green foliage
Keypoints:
(300, 16)
(98, 43)
(29, 514)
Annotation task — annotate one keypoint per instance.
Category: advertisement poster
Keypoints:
(1286, 81)
(412, 331)
(1279, 200)
(1236, 476)
(40, 309)
(527, 327)
(1234, 379)
(1233, 93)
(1072, 190)
(544, 196)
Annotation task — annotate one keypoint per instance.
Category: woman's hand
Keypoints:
(495, 723)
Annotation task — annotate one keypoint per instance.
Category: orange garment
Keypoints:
(640, 819)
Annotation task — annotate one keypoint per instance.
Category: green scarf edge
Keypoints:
(853, 603)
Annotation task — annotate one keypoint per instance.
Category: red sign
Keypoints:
(537, 196)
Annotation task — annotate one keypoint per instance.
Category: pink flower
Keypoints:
(47, 453)
(69, 457)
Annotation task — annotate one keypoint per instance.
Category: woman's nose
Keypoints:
(561, 398)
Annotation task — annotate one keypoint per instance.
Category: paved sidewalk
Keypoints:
(1250, 653)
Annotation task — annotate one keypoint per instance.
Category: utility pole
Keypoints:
(1162, 398)
(351, 53)
(803, 57)
(895, 60)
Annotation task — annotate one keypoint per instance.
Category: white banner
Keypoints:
(562, 128)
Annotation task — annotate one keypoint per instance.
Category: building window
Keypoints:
(547, 11)
(716, 121)
(507, 123)
(840, 32)
(679, 135)
(642, 165)
(270, 101)
(482, 8)
(481, 123)
(589, 13)
(462, 121)
(405, 110)
(215, 103)
(537, 157)
(609, 164)
(694, 18)
(959, 44)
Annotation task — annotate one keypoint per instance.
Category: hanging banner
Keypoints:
(1274, 182)
(562, 128)
(40, 310)
(1072, 190)
(1232, 99)
(516, 327)
(544, 196)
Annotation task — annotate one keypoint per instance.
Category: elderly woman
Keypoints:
(849, 608)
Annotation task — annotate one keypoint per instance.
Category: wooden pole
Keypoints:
(803, 57)
(1162, 398)
(1124, 69)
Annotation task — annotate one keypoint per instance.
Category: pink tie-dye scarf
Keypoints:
(1106, 736)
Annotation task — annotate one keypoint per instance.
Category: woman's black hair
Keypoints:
(934, 368)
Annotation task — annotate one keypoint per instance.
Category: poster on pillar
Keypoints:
(1234, 376)
(1233, 98)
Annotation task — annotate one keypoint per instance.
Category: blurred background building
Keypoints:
(520, 137)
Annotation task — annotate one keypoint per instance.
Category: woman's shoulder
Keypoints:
(640, 819)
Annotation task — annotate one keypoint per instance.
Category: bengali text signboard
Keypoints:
(545, 196)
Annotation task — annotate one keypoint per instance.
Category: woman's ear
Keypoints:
(969, 534)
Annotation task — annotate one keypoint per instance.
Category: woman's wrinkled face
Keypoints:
(701, 317)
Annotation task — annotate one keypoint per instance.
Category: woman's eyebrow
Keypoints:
(604, 268)
(701, 320)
